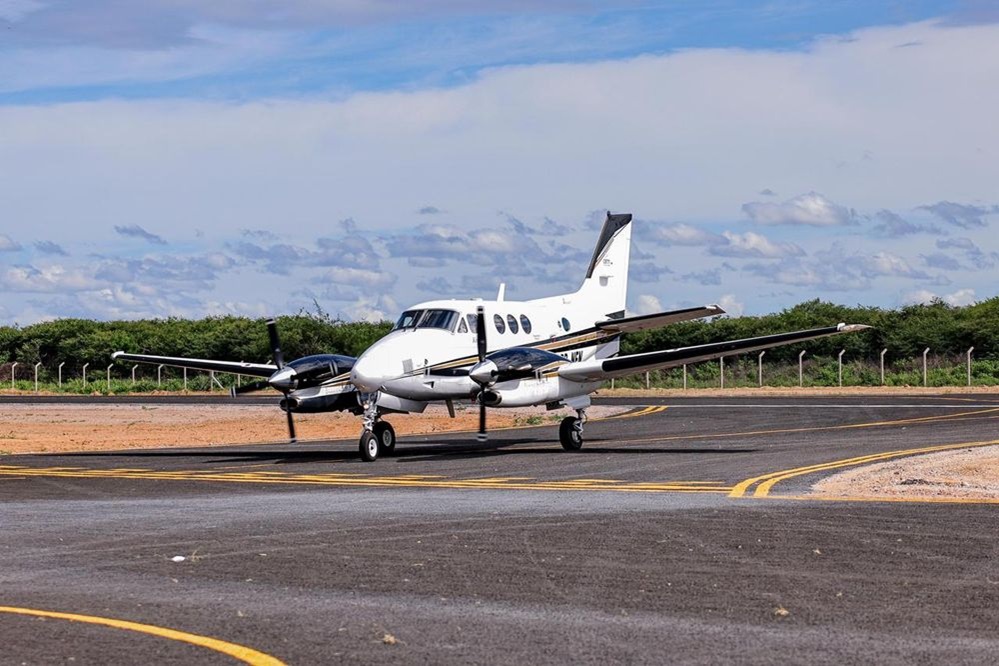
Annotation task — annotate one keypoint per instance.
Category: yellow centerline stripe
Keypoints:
(767, 481)
(503, 483)
(240, 652)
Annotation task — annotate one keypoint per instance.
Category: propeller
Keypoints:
(284, 378)
(480, 336)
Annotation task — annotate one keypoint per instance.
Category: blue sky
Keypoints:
(188, 158)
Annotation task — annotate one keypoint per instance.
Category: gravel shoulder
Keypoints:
(971, 474)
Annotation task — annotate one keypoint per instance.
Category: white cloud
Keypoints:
(648, 304)
(371, 281)
(752, 244)
(810, 209)
(732, 306)
(8, 244)
(678, 234)
(959, 298)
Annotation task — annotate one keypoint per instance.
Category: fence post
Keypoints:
(759, 362)
(612, 382)
(159, 376)
(647, 385)
(883, 352)
(801, 372)
(239, 379)
(60, 373)
(36, 375)
(12, 366)
(840, 362)
(721, 375)
(211, 381)
(969, 365)
(109, 377)
(925, 352)
(185, 379)
(85, 373)
(684, 376)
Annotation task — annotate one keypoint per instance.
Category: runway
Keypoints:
(683, 531)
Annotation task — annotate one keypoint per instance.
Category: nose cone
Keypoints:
(368, 375)
(284, 379)
(484, 373)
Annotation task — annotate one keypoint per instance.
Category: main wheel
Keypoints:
(368, 446)
(569, 434)
(386, 438)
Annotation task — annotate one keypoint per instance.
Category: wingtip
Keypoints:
(716, 308)
(852, 328)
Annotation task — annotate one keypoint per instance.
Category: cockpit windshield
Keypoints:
(408, 319)
(443, 319)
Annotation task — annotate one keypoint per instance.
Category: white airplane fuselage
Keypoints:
(426, 364)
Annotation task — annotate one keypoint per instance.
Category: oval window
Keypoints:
(525, 323)
(565, 324)
(512, 323)
(500, 326)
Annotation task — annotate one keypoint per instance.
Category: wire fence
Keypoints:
(736, 371)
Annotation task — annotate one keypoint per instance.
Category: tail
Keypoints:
(605, 288)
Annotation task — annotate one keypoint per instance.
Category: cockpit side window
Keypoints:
(473, 322)
(443, 319)
(408, 319)
(461, 326)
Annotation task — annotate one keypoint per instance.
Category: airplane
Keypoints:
(554, 351)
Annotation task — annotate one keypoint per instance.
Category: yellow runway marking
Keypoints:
(354, 480)
(242, 653)
(767, 481)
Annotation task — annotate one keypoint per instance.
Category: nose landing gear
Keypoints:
(377, 437)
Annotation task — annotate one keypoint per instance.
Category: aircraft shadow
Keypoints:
(413, 453)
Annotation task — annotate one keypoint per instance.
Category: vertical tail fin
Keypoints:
(606, 285)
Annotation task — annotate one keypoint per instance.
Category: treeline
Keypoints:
(947, 330)
(906, 332)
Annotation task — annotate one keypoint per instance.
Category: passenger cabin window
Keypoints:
(498, 321)
(525, 324)
(443, 319)
(408, 319)
(512, 323)
(461, 326)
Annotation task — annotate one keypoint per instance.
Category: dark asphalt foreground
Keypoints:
(513, 551)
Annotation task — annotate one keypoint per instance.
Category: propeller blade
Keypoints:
(291, 426)
(272, 333)
(480, 331)
(482, 436)
(248, 388)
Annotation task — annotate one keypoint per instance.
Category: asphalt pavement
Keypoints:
(682, 532)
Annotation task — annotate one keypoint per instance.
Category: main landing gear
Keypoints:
(378, 437)
(570, 433)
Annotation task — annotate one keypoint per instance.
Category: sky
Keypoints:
(260, 157)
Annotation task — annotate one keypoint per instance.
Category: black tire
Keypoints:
(571, 438)
(368, 446)
(386, 438)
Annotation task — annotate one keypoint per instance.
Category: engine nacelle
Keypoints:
(321, 403)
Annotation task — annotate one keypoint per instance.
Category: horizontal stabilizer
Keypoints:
(643, 322)
(599, 369)
(234, 367)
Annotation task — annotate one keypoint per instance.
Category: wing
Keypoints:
(644, 322)
(597, 369)
(235, 367)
